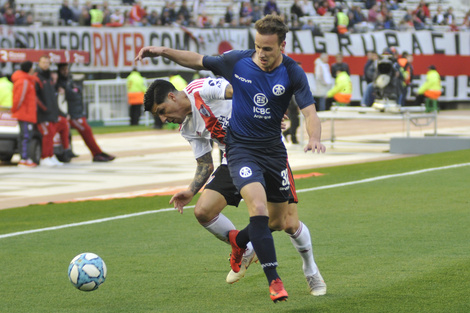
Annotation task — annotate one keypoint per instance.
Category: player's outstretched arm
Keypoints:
(313, 125)
(185, 58)
(204, 169)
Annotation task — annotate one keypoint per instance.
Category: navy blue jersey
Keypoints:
(260, 98)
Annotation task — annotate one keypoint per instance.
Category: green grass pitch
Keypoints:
(396, 244)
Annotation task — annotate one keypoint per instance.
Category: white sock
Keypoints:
(219, 226)
(302, 242)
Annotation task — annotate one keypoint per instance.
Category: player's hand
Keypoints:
(148, 52)
(283, 123)
(315, 146)
(180, 199)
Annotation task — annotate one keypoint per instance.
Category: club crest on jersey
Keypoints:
(204, 111)
(278, 90)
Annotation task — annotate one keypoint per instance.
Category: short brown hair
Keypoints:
(272, 24)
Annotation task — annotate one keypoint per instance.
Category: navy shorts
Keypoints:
(266, 165)
(221, 181)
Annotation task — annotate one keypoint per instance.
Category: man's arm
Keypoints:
(229, 92)
(185, 58)
(313, 125)
(204, 169)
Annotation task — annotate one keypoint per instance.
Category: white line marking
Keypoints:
(102, 220)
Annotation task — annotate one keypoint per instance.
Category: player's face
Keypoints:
(268, 51)
(169, 111)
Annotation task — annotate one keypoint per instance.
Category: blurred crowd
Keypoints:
(360, 16)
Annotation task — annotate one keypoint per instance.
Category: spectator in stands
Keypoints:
(323, 81)
(424, 7)
(130, 2)
(406, 23)
(136, 13)
(29, 19)
(391, 5)
(106, 15)
(76, 111)
(170, 8)
(96, 16)
(20, 18)
(245, 14)
(388, 22)
(84, 18)
(184, 10)
(373, 13)
(165, 18)
(229, 17)
(322, 8)
(271, 8)
(76, 10)
(438, 18)
(136, 87)
(355, 16)
(339, 65)
(449, 16)
(24, 109)
(257, 13)
(116, 19)
(204, 20)
(154, 18)
(369, 4)
(418, 24)
(296, 11)
(65, 14)
(180, 21)
(9, 16)
(421, 12)
(308, 8)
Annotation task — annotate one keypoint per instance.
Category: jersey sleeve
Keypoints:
(302, 92)
(199, 145)
(214, 89)
(223, 64)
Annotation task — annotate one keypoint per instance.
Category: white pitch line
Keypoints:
(102, 220)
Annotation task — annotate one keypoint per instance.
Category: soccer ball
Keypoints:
(87, 271)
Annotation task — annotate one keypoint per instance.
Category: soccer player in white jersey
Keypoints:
(203, 113)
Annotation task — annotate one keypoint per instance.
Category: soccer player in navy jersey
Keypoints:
(203, 111)
(263, 81)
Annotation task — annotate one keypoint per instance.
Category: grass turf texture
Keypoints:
(394, 245)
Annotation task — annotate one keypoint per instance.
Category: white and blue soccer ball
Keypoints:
(87, 271)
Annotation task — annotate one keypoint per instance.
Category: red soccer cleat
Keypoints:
(237, 252)
(278, 293)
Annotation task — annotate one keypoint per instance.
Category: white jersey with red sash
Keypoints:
(210, 115)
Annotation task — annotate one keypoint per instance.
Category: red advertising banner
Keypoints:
(57, 56)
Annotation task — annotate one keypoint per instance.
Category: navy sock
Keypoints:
(243, 238)
(263, 243)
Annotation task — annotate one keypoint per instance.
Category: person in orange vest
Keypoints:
(24, 109)
(136, 87)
